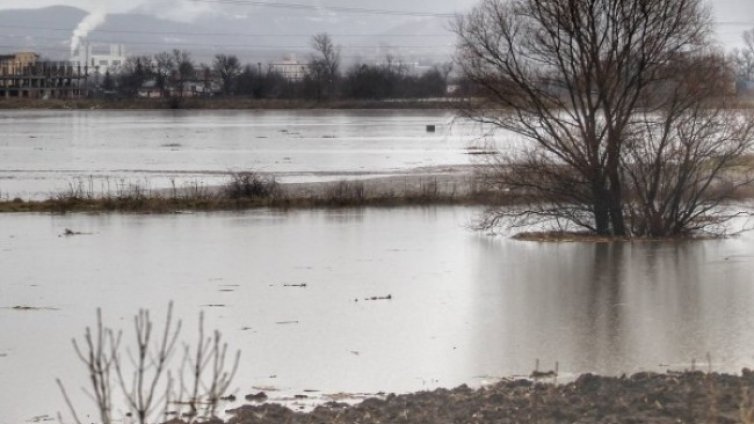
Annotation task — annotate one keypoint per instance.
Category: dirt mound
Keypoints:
(641, 398)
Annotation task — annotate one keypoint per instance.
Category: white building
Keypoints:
(290, 68)
(100, 58)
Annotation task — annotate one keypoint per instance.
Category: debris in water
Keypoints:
(266, 388)
(229, 398)
(388, 297)
(68, 232)
(215, 305)
(31, 308)
(302, 285)
(259, 397)
(286, 322)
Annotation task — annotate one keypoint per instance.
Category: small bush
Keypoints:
(250, 185)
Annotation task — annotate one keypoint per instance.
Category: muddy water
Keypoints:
(42, 152)
(465, 307)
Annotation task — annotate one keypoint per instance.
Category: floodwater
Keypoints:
(465, 307)
(45, 152)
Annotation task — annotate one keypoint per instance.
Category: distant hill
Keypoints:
(255, 37)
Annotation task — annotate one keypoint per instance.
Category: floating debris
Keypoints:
(259, 397)
(302, 285)
(482, 152)
(388, 297)
(266, 388)
(215, 305)
(229, 398)
(69, 232)
(31, 308)
(286, 322)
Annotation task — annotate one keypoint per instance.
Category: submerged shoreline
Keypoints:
(690, 396)
(238, 103)
(454, 186)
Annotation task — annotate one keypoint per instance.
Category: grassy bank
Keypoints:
(251, 191)
(234, 103)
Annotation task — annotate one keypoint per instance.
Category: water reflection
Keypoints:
(611, 307)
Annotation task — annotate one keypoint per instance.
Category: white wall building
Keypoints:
(100, 58)
(290, 68)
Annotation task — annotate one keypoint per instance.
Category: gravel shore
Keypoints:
(642, 398)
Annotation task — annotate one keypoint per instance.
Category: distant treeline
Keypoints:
(175, 75)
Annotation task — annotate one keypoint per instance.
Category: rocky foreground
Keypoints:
(691, 397)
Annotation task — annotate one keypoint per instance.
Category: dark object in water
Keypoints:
(302, 285)
(431, 128)
(229, 398)
(259, 397)
(388, 297)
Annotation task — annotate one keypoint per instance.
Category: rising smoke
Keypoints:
(88, 24)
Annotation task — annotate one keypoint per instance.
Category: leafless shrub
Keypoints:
(97, 355)
(145, 375)
(250, 185)
(208, 376)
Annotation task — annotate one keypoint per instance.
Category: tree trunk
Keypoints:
(601, 209)
(616, 205)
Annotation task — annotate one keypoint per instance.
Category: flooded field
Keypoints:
(43, 152)
(465, 307)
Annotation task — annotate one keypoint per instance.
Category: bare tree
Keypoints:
(184, 70)
(743, 59)
(324, 65)
(164, 68)
(579, 79)
(229, 68)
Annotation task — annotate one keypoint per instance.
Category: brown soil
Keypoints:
(642, 398)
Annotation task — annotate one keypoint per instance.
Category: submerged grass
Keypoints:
(247, 190)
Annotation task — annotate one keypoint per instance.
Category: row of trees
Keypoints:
(624, 109)
(322, 79)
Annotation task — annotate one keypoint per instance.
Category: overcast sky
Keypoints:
(733, 16)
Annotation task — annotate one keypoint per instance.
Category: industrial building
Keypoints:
(24, 75)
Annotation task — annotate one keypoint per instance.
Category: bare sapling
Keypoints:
(208, 376)
(143, 378)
